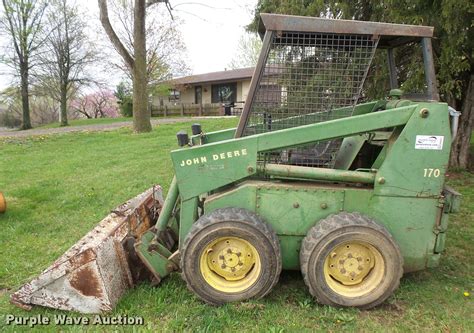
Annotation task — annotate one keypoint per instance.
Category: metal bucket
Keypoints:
(94, 273)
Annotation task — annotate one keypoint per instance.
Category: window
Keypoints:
(174, 95)
(224, 93)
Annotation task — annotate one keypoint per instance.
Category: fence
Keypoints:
(187, 110)
(184, 110)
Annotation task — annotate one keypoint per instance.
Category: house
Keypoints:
(209, 90)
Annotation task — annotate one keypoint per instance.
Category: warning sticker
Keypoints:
(434, 142)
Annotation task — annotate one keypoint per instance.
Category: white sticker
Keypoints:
(434, 142)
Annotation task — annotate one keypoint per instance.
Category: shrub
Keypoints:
(126, 107)
(8, 119)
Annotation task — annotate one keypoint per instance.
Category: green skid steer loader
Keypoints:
(314, 178)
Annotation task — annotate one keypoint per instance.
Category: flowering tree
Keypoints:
(100, 104)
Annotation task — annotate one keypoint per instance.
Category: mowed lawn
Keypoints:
(58, 187)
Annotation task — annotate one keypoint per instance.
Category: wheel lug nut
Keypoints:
(360, 268)
(229, 250)
(221, 257)
(241, 263)
(359, 258)
(223, 266)
(341, 262)
(333, 255)
(349, 255)
(343, 271)
(238, 254)
(353, 274)
(232, 269)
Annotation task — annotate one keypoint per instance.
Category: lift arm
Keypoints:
(201, 169)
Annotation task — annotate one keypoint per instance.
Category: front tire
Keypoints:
(348, 259)
(230, 255)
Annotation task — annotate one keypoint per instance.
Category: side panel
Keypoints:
(416, 163)
(411, 221)
(293, 208)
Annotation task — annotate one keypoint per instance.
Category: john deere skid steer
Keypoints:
(314, 178)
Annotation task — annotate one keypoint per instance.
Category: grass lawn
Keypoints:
(58, 187)
(93, 121)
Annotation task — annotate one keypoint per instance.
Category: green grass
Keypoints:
(58, 187)
(93, 121)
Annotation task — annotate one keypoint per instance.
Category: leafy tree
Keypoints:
(123, 93)
(99, 104)
(248, 51)
(452, 45)
(22, 22)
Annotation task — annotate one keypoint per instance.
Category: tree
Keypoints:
(135, 61)
(165, 47)
(248, 51)
(452, 45)
(123, 93)
(66, 54)
(100, 104)
(23, 23)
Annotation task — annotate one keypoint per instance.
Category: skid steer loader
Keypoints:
(313, 178)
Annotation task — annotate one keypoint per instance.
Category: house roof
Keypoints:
(214, 77)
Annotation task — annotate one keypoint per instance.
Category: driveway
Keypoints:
(4, 132)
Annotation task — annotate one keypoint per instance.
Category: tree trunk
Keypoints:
(141, 113)
(25, 98)
(63, 105)
(461, 145)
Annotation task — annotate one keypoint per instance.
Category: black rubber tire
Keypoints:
(337, 229)
(231, 222)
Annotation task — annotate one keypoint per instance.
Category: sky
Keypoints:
(210, 29)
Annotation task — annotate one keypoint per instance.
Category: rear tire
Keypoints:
(230, 255)
(348, 259)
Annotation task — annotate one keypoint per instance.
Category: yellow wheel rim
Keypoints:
(230, 264)
(353, 269)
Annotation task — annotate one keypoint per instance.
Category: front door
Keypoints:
(198, 94)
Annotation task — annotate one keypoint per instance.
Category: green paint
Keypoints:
(167, 210)
(201, 169)
(188, 215)
(154, 255)
(403, 192)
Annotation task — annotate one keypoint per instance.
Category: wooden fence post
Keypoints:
(182, 110)
(165, 111)
(200, 110)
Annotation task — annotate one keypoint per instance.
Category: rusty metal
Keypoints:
(3, 203)
(304, 78)
(392, 69)
(95, 272)
(254, 83)
(430, 74)
(277, 22)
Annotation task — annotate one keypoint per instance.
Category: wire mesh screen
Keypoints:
(309, 78)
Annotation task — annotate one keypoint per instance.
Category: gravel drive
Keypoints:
(4, 132)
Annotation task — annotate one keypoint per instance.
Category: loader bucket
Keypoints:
(94, 273)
